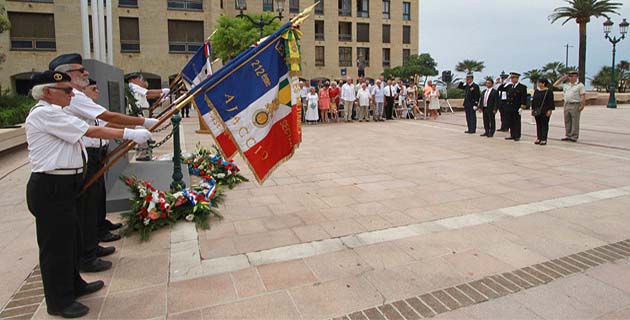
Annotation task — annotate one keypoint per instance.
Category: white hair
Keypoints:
(64, 68)
(334, 82)
(38, 91)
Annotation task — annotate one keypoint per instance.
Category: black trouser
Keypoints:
(489, 121)
(513, 121)
(186, 111)
(53, 202)
(92, 208)
(471, 119)
(502, 114)
(389, 107)
(542, 127)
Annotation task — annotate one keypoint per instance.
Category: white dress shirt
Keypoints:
(347, 92)
(486, 96)
(84, 108)
(140, 94)
(54, 138)
(364, 97)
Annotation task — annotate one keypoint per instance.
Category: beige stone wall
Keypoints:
(153, 22)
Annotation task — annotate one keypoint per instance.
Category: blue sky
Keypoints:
(511, 35)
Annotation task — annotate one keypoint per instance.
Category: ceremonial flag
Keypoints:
(255, 97)
(195, 71)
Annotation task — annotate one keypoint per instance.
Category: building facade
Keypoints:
(157, 37)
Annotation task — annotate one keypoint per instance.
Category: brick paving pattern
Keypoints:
(493, 287)
(26, 300)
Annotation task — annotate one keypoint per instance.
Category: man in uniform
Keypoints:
(57, 164)
(516, 93)
(138, 87)
(501, 80)
(574, 103)
(471, 100)
(84, 108)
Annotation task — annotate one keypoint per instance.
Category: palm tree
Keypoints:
(470, 66)
(554, 70)
(533, 75)
(581, 11)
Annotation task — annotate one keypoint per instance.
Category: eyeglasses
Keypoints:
(81, 70)
(67, 90)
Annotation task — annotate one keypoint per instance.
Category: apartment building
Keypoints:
(157, 37)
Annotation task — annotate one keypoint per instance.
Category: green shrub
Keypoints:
(14, 108)
(453, 93)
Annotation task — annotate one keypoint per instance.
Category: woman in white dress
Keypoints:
(312, 115)
(434, 101)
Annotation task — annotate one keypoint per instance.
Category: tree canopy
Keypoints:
(470, 66)
(5, 25)
(234, 35)
(418, 65)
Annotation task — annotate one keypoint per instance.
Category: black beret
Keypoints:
(545, 81)
(69, 58)
(515, 74)
(92, 82)
(132, 76)
(48, 76)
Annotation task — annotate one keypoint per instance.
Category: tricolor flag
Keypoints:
(195, 71)
(256, 98)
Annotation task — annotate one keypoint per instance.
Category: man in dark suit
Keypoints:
(516, 100)
(489, 104)
(471, 99)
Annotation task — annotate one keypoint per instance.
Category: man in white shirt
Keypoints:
(57, 159)
(364, 102)
(304, 96)
(574, 103)
(138, 87)
(390, 95)
(348, 96)
(378, 94)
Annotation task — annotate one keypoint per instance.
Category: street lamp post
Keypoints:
(623, 29)
(278, 5)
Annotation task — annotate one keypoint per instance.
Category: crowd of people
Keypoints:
(365, 101)
(387, 100)
(67, 133)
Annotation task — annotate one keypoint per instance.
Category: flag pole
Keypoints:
(171, 88)
(130, 144)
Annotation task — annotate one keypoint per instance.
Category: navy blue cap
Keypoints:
(132, 76)
(48, 76)
(69, 58)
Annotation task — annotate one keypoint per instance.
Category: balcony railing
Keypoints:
(38, 44)
(183, 47)
(363, 13)
(319, 36)
(193, 5)
(345, 12)
(345, 37)
(129, 46)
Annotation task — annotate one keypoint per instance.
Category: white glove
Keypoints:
(165, 91)
(520, 111)
(474, 108)
(137, 135)
(150, 122)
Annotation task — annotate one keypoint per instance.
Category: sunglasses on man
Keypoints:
(67, 90)
(80, 70)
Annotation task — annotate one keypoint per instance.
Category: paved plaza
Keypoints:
(403, 219)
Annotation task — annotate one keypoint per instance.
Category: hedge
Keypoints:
(14, 108)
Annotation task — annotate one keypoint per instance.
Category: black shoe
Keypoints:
(109, 237)
(114, 226)
(483, 135)
(517, 139)
(490, 136)
(509, 138)
(104, 251)
(97, 265)
(565, 139)
(75, 310)
(91, 288)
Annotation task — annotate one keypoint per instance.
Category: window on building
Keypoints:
(386, 57)
(407, 11)
(268, 5)
(195, 5)
(43, 1)
(345, 31)
(294, 6)
(363, 8)
(319, 56)
(386, 9)
(387, 33)
(406, 34)
(128, 3)
(406, 54)
(129, 34)
(363, 32)
(319, 8)
(345, 8)
(364, 54)
(319, 30)
(185, 36)
(345, 56)
(32, 31)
